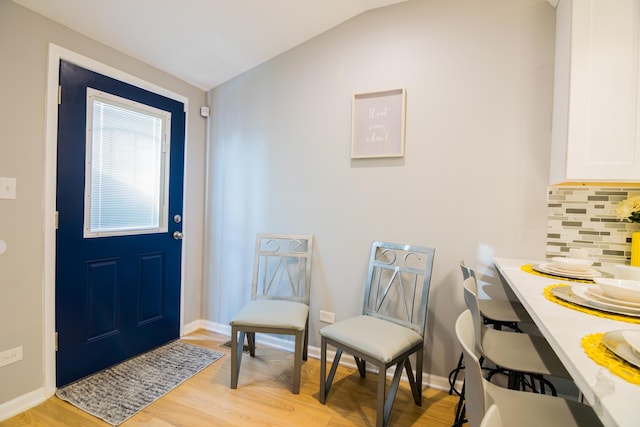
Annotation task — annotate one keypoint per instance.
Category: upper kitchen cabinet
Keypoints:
(596, 103)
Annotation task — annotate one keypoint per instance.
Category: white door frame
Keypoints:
(57, 53)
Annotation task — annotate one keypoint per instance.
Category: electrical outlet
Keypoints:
(327, 316)
(10, 356)
(7, 188)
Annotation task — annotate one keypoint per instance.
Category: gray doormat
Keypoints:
(119, 392)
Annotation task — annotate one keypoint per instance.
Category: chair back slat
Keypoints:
(398, 280)
(474, 394)
(471, 300)
(466, 271)
(282, 267)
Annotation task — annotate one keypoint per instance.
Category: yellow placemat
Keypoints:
(592, 311)
(599, 353)
(528, 268)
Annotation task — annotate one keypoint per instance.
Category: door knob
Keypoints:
(177, 235)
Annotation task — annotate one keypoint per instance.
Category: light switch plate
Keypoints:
(7, 188)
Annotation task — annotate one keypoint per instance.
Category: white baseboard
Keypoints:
(191, 327)
(431, 381)
(22, 403)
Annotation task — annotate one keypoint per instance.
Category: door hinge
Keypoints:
(55, 220)
(55, 340)
(59, 95)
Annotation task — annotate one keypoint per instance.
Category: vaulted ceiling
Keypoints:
(204, 42)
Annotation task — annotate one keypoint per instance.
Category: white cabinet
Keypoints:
(595, 135)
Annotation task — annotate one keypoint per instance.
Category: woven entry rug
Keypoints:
(119, 392)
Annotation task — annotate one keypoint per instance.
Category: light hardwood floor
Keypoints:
(263, 398)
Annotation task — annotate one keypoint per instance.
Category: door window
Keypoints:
(127, 164)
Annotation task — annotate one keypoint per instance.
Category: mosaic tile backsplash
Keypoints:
(585, 217)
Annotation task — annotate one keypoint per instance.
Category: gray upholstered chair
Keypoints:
(516, 408)
(279, 299)
(392, 324)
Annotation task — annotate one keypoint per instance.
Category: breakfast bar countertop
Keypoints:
(612, 397)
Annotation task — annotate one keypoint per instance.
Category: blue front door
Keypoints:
(118, 252)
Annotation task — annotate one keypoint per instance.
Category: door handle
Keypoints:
(177, 235)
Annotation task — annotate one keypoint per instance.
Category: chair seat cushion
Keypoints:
(374, 337)
(521, 352)
(503, 310)
(272, 313)
(534, 409)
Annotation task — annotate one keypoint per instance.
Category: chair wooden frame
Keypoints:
(287, 257)
(399, 274)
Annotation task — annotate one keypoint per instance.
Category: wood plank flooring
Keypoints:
(263, 398)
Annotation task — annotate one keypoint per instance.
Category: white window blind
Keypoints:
(126, 167)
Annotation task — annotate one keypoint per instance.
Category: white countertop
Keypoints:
(613, 398)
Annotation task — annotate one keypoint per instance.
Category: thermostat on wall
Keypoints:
(204, 111)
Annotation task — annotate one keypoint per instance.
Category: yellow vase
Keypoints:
(635, 248)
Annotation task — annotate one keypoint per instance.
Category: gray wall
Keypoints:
(24, 40)
(473, 182)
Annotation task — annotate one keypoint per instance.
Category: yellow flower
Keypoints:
(629, 210)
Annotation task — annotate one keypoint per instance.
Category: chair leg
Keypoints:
(362, 366)
(381, 420)
(334, 368)
(460, 410)
(236, 356)
(305, 347)
(513, 381)
(251, 343)
(453, 376)
(323, 369)
(325, 382)
(297, 361)
(386, 403)
(416, 385)
(419, 362)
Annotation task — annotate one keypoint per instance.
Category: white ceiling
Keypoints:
(204, 42)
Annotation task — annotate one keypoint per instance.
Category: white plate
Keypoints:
(552, 269)
(571, 264)
(628, 290)
(588, 273)
(632, 337)
(598, 294)
(584, 293)
(566, 293)
(547, 268)
(616, 342)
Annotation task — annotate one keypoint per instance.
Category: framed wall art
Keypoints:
(377, 128)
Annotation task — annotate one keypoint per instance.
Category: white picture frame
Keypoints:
(378, 124)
